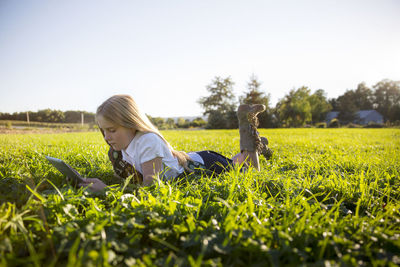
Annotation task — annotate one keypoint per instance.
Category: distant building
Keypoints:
(363, 117)
(367, 116)
(330, 116)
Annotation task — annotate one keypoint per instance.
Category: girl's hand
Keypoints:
(93, 184)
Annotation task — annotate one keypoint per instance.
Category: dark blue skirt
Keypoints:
(215, 162)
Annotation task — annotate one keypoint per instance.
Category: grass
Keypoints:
(327, 197)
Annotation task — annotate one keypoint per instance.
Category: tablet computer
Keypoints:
(67, 170)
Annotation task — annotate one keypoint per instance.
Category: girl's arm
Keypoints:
(150, 170)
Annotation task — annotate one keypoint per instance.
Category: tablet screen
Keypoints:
(65, 169)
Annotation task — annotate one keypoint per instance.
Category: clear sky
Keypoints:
(72, 55)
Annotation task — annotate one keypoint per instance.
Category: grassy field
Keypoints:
(328, 197)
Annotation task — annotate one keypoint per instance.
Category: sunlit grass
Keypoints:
(327, 196)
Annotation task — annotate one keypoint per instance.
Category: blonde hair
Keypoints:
(123, 111)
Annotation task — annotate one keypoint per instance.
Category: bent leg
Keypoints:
(250, 142)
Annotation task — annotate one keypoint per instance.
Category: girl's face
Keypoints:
(117, 136)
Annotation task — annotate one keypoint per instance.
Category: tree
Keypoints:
(158, 122)
(334, 104)
(363, 97)
(387, 99)
(221, 96)
(216, 121)
(72, 116)
(294, 109)
(220, 104)
(182, 123)
(48, 115)
(170, 123)
(254, 95)
(352, 101)
(319, 106)
(198, 122)
(347, 107)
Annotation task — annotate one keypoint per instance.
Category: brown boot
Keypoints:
(265, 150)
(248, 122)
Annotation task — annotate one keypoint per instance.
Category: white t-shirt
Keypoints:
(148, 146)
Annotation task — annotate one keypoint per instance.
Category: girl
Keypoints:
(136, 143)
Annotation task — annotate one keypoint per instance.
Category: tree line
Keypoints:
(58, 116)
(181, 123)
(300, 106)
(297, 108)
(51, 116)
